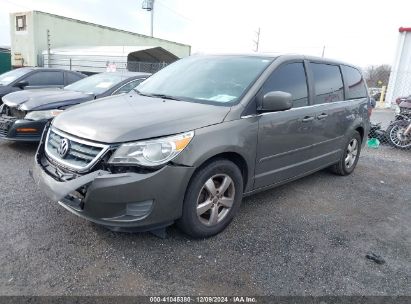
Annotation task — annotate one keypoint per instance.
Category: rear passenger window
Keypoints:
(46, 78)
(289, 78)
(72, 77)
(354, 82)
(328, 83)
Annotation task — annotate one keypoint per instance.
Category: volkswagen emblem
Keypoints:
(64, 147)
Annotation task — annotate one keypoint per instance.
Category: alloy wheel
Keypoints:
(215, 199)
(351, 155)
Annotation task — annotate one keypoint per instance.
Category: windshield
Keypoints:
(10, 76)
(96, 84)
(206, 79)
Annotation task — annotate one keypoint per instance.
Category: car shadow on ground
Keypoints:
(265, 199)
(22, 147)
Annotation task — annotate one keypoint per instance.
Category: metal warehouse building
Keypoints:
(400, 78)
(34, 32)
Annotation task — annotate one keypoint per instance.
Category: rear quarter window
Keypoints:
(72, 77)
(328, 84)
(354, 82)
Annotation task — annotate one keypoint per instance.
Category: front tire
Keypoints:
(349, 158)
(212, 199)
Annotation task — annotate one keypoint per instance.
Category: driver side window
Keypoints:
(289, 78)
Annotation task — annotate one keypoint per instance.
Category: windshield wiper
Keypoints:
(165, 96)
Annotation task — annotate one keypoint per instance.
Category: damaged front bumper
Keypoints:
(15, 129)
(142, 201)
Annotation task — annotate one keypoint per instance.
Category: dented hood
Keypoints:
(133, 117)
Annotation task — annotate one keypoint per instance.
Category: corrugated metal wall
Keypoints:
(99, 64)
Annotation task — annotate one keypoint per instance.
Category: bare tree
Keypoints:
(377, 75)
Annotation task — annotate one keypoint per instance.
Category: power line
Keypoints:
(174, 11)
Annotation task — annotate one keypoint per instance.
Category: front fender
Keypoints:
(237, 136)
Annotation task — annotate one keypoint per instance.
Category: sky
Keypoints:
(361, 32)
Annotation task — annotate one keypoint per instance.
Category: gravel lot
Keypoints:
(307, 237)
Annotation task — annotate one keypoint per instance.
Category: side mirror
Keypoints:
(276, 101)
(22, 84)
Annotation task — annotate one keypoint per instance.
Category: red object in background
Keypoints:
(404, 29)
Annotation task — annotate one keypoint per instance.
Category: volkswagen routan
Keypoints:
(192, 140)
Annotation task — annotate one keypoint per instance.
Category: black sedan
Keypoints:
(24, 114)
(35, 78)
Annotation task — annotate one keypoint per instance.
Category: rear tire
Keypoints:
(395, 134)
(349, 158)
(212, 199)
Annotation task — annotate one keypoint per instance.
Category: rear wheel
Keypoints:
(395, 134)
(349, 158)
(212, 199)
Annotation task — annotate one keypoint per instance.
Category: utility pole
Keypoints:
(148, 5)
(48, 48)
(322, 55)
(257, 41)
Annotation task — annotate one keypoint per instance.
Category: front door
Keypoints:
(286, 138)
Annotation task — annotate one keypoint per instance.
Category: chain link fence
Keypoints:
(391, 117)
(99, 64)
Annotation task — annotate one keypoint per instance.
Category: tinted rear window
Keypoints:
(354, 82)
(44, 78)
(328, 83)
(72, 77)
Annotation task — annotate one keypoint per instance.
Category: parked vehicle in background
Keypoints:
(199, 135)
(25, 113)
(399, 132)
(404, 104)
(35, 78)
(375, 93)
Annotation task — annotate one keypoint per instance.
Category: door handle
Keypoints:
(322, 116)
(308, 118)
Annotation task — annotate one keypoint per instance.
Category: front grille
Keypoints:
(81, 155)
(5, 123)
(3, 133)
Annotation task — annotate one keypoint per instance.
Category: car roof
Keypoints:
(47, 69)
(126, 73)
(284, 56)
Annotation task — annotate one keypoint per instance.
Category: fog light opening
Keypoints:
(139, 209)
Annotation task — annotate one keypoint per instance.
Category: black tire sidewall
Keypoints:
(189, 221)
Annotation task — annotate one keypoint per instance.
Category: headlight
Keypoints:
(151, 153)
(40, 115)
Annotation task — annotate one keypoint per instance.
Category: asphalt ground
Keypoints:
(309, 237)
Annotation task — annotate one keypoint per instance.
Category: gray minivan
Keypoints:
(197, 136)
